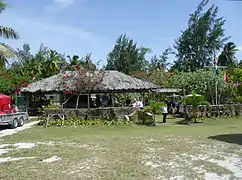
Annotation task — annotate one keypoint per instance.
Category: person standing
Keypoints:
(164, 113)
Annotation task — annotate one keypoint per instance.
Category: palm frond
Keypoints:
(8, 33)
(6, 51)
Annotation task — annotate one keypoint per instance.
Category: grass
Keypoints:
(131, 152)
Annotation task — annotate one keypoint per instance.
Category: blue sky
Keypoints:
(84, 26)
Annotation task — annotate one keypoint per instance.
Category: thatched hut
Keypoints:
(112, 82)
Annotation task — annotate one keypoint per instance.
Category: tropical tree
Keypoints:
(161, 61)
(160, 78)
(12, 80)
(205, 35)
(227, 56)
(85, 62)
(7, 33)
(24, 55)
(73, 61)
(204, 82)
(52, 63)
(127, 56)
(155, 107)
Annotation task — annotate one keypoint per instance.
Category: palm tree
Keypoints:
(7, 33)
(194, 101)
(227, 56)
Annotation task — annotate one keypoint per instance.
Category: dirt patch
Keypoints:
(52, 159)
(205, 162)
(9, 159)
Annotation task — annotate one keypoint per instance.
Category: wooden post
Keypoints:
(64, 106)
(88, 100)
(113, 99)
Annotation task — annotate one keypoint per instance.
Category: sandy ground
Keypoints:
(212, 161)
(178, 165)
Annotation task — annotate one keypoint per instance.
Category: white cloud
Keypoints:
(46, 25)
(64, 38)
(57, 5)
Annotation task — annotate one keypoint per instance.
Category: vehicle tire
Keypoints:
(14, 124)
(20, 122)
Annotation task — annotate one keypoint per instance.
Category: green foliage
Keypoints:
(196, 100)
(12, 80)
(204, 35)
(7, 33)
(126, 56)
(238, 99)
(160, 78)
(155, 106)
(148, 109)
(81, 123)
(227, 56)
(144, 118)
(236, 75)
(203, 82)
(161, 61)
(85, 62)
(51, 106)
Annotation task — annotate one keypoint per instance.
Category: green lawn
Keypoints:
(132, 152)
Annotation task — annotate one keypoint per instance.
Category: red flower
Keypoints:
(68, 92)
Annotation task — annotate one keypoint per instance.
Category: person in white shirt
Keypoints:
(138, 104)
(164, 112)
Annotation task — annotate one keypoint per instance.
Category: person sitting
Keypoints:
(105, 100)
(138, 104)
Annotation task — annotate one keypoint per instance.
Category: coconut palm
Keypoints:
(7, 33)
(227, 56)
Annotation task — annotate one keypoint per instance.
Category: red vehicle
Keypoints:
(9, 114)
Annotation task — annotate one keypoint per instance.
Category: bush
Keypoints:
(144, 118)
(155, 106)
(238, 99)
(51, 107)
(82, 123)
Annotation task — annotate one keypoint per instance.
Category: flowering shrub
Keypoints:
(11, 82)
(81, 82)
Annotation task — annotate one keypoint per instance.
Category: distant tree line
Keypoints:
(194, 51)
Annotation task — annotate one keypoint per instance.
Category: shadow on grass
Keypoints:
(229, 138)
(187, 122)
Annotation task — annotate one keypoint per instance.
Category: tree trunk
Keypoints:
(77, 101)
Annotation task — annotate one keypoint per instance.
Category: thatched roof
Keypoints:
(112, 81)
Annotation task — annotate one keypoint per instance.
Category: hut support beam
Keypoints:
(112, 96)
(88, 100)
